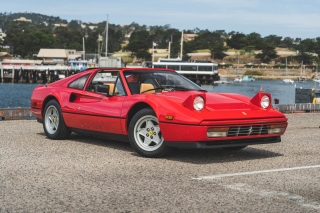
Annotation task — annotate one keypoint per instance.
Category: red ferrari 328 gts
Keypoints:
(154, 109)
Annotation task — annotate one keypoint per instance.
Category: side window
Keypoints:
(79, 83)
(119, 90)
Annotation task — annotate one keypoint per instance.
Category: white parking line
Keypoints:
(254, 172)
(290, 197)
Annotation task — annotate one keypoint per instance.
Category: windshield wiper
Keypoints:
(175, 88)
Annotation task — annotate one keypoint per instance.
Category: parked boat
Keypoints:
(302, 77)
(248, 78)
(223, 80)
(287, 80)
(317, 79)
(238, 79)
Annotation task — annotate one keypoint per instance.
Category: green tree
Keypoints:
(61, 38)
(175, 49)
(273, 40)
(144, 54)
(35, 40)
(135, 46)
(287, 42)
(267, 54)
(115, 39)
(139, 40)
(254, 39)
(74, 25)
(237, 41)
(212, 41)
(15, 37)
(305, 50)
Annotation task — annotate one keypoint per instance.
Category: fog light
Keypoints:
(277, 128)
(217, 132)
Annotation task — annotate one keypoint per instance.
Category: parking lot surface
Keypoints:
(88, 174)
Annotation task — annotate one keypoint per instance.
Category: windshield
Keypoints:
(147, 80)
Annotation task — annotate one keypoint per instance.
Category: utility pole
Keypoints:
(84, 52)
(107, 41)
(181, 51)
(169, 49)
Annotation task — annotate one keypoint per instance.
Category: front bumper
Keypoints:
(224, 143)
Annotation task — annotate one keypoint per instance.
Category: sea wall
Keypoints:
(16, 114)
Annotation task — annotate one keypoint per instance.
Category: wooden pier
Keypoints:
(34, 74)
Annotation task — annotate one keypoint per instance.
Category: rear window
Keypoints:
(79, 83)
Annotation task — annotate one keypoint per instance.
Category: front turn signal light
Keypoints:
(216, 132)
(277, 128)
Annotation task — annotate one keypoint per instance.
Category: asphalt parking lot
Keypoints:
(86, 174)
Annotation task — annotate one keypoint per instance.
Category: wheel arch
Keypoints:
(134, 109)
(46, 100)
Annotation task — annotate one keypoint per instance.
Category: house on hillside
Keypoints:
(2, 34)
(4, 56)
(23, 19)
(60, 25)
(189, 37)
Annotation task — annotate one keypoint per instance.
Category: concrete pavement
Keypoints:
(87, 174)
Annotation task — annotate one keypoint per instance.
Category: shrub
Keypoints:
(253, 72)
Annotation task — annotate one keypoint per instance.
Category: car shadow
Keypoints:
(218, 155)
(193, 156)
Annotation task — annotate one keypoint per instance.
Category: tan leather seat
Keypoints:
(111, 87)
(147, 88)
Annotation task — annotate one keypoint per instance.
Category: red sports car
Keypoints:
(154, 109)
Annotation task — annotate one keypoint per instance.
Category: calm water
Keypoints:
(18, 95)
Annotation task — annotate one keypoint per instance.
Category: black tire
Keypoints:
(145, 136)
(235, 148)
(53, 123)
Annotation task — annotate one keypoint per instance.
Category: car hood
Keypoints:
(225, 101)
(214, 100)
(221, 106)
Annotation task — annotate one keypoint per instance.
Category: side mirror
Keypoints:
(103, 89)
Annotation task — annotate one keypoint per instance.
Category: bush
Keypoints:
(253, 72)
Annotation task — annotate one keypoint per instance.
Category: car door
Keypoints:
(98, 112)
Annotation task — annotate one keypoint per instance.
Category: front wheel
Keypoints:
(53, 123)
(145, 136)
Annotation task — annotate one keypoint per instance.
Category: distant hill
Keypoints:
(6, 18)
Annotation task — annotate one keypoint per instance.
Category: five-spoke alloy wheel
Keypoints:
(145, 135)
(53, 123)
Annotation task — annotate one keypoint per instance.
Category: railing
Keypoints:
(299, 107)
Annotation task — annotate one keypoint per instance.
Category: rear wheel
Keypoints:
(53, 123)
(145, 136)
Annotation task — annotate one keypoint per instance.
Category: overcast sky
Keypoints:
(286, 18)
